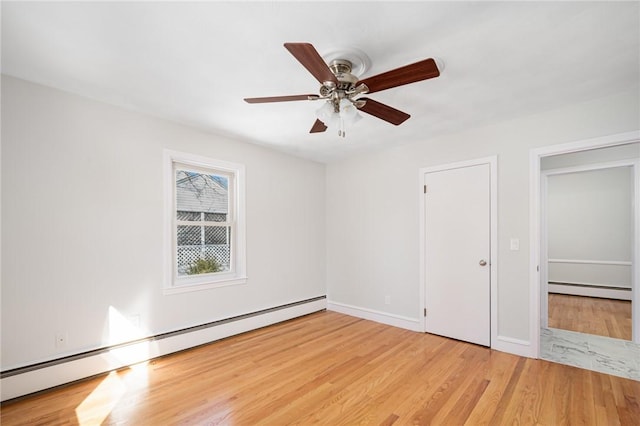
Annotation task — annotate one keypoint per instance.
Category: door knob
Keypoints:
(482, 262)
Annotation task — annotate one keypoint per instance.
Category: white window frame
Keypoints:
(237, 274)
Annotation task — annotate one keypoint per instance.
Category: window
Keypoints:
(204, 223)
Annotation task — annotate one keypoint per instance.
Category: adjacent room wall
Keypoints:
(590, 223)
(602, 244)
(83, 233)
(373, 229)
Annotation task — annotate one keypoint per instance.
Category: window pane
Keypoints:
(215, 217)
(189, 235)
(202, 249)
(181, 215)
(198, 193)
(215, 235)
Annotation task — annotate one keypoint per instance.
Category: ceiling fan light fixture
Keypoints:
(347, 114)
(348, 111)
(327, 114)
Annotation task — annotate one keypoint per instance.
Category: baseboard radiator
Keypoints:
(590, 290)
(34, 378)
(593, 278)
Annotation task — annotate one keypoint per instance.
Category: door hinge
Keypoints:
(425, 189)
(425, 312)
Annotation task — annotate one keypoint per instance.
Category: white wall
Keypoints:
(82, 224)
(373, 207)
(589, 219)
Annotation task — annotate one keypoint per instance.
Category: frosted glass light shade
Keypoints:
(326, 114)
(348, 114)
(348, 111)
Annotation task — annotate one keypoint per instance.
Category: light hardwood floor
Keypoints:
(332, 369)
(591, 315)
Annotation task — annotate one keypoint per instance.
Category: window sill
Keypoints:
(186, 288)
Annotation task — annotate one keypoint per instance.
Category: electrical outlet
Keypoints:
(61, 339)
(387, 300)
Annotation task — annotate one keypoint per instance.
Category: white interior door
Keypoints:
(457, 253)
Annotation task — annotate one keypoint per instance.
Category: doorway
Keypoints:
(587, 216)
(458, 263)
(579, 277)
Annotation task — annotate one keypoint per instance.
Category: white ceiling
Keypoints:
(195, 62)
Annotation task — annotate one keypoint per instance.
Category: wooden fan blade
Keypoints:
(383, 112)
(279, 99)
(308, 56)
(318, 127)
(419, 71)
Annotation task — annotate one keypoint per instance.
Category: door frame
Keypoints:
(535, 225)
(492, 161)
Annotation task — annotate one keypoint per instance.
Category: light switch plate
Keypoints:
(515, 244)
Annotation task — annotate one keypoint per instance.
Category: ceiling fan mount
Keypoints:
(341, 88)
(341, 66)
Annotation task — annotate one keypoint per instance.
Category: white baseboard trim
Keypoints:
(37, 378)
(502, 343)
(514, 346)
(412, 324)
(588, 291)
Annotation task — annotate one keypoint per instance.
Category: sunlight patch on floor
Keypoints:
(98, 405)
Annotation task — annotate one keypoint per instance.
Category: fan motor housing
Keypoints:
(341, 68)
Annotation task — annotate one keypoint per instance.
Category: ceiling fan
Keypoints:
(342, 90)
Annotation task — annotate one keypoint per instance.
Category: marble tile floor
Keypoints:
(597, 353)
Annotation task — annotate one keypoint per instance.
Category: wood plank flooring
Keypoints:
(332, 369)
(591, 315)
